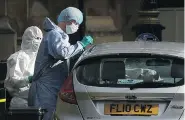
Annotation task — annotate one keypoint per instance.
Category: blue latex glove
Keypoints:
(86, 41)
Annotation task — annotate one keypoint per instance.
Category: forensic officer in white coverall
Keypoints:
(20, 67)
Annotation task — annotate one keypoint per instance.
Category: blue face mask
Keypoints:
(70, 29)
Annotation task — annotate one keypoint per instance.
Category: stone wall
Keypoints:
(24, 13)
(122, 12)
(2, 7)
(16, 12)
(21, 17)
(37, 13)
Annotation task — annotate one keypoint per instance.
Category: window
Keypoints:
(131, 70)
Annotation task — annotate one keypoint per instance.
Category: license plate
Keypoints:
(131, 109)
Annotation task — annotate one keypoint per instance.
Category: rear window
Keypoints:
(127, 71)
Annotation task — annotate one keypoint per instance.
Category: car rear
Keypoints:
(99, 88)
(125, 81)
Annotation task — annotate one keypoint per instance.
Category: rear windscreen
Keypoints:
(131, 70)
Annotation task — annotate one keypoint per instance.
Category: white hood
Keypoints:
(31, 39)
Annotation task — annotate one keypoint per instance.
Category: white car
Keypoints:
(125, 81)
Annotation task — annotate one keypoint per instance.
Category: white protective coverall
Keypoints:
(20, 66)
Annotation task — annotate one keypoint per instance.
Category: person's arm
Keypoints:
(60, 48)
(16, 68)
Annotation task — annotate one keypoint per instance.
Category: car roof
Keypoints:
(160, 48)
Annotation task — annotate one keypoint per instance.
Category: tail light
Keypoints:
(67, 93)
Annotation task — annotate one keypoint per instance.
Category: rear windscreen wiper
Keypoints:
(151, 85)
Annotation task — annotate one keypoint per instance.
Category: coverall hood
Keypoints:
(31, 39)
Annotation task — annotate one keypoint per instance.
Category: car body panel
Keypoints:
(160, 48)
(66, 111)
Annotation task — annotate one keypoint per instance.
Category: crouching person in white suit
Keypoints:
(20, 67)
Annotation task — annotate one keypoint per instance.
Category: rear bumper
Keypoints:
(136, 119)
(66, 111)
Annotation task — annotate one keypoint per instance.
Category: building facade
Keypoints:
(105, 20)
